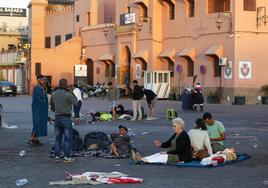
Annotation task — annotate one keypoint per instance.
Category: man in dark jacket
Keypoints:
(61, 102)
(151, 99)
(137, 95)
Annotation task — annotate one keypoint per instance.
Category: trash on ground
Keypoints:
(117, 165)
(255, 145)
(131, 133)
(9, 127)
(95, 178)
(22, 153)
(144, 133)
(21, 182)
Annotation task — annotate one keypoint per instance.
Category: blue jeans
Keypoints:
(77, 108)
(63, 126)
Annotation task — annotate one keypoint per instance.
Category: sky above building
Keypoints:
(14, 3)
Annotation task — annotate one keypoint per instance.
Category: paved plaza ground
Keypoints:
(247, 130)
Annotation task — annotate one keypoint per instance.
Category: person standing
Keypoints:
(151, 99)
(78, 94)
(61, 102)
(137, 95)
(198, 98)
(216, 132)
(39, 111)
(113, 95)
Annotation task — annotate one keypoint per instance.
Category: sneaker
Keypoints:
(57, 158)
(68, 160)
(133, 119)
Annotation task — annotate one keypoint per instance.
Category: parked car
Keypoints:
(8, 88)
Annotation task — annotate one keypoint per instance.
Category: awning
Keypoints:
(142, 54)
(187, 52)
(106, 57)
(145, 2)
(168, 53)
(215, 50)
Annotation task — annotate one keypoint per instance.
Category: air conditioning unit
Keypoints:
(223, 61)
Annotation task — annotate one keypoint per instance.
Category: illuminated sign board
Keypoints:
(13, 12)
(126, 19)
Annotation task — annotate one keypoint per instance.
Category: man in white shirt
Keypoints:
(78, 94)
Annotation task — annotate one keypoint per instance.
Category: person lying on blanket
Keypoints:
(179, 147)
(120, 142)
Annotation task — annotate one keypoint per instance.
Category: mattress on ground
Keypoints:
(196, 164)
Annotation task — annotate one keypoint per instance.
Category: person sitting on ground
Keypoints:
(151, 99)
(179, 147)
(113, 96)
(200, 141)
(120, 142)
(216, 132)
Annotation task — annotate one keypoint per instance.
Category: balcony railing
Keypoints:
(15, 29)
(12, 58)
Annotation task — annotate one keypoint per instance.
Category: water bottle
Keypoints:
(21, 182)
(22, 153)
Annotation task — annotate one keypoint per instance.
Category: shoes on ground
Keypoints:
(57, 159)
(68, 160)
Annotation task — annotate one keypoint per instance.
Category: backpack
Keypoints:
(77, 144)
(96, 140)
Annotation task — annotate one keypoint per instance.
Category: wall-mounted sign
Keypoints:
(126, 19)
(179, 69)
(80, 70)
(203, 69)
(13, 12)
(245, 70)
(228, 70)
(138, 71)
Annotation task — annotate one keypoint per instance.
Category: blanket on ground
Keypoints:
(196, 163)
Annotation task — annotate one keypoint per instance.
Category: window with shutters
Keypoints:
(171, 9)
(190, 6)
(249, 5)
(48, 42)
(214, 6)
(77, 18)
(68, 36)
(217, 67)
(190, 67)
(37, 69)
(57, 40)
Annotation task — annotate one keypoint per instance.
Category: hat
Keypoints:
(122, 127)
(40, 77)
